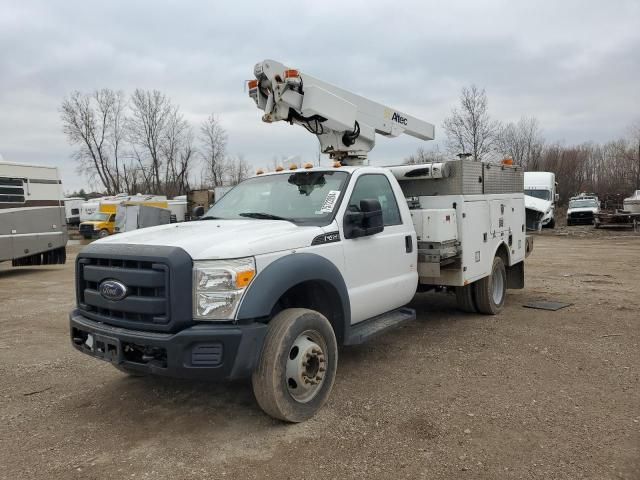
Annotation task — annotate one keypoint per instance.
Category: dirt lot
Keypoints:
(526, 394)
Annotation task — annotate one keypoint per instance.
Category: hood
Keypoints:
(537, 204)
(211, 239)
(582, 209)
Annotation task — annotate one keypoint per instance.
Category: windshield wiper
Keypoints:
(263, 216)
(208, 217)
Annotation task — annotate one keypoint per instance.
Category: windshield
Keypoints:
(538, 193)
(99, 217)
(589, 203)
(307, 198)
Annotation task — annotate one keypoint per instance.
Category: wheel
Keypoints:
(552, 223)
(130, 371)
(87, 237)
(569, 223)
(103, 233)
(464, 297)
(297, 367)
(491, 291)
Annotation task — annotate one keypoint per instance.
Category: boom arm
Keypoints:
(345, 123)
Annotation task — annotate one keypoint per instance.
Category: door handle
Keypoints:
(408, 244)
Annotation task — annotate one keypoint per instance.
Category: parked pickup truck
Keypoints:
(290, 265)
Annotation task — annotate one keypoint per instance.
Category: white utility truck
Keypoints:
(289, 265)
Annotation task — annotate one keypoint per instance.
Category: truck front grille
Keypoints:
(157, 279)
(147, 284)
(86, 229)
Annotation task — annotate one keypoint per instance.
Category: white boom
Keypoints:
(345, 123)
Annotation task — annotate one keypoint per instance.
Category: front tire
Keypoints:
(552, 223)
(491, 291)
(103, 233)
(297, 367)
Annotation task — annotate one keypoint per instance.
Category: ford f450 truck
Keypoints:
(292, 264)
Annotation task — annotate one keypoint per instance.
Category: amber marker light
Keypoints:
(244, 278)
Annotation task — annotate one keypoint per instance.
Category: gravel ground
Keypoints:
(526, 394)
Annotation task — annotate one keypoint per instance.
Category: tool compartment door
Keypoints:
(475, 226)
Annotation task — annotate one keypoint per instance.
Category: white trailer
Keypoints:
(133, 216)
(33, 229)
(72, 206)
(178, 207)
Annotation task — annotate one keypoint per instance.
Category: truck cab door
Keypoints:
(381, 272)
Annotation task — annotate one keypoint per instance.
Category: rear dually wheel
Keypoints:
(491, 291)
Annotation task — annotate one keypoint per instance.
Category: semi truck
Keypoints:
(33, 230)
(292, 264)
(540, 199)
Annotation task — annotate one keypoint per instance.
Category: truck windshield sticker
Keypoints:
(329, 202)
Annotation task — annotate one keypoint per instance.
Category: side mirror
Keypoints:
(198, 211)
(365, 221)
(557, 197)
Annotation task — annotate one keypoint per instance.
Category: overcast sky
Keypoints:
(575, 65)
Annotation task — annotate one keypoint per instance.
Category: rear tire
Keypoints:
(464, 297)
(491, 291)
(297, 366)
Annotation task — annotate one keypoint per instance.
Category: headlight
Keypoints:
(218, 286)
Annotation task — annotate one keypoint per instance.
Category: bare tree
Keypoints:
(238, 170)
(214, 150)
(634, 152)
(469, 128)
(522, 141)
(150, 114)
(425, 156)
(93, 123)
(177, 151)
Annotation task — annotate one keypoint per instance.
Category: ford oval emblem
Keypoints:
(113, 290)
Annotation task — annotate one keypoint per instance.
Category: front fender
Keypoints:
(285, 273)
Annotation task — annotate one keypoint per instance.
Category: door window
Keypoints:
(376, 186)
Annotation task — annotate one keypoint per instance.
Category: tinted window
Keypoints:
(11, 190)
(374, 186)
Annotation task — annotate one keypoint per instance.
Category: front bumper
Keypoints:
(583, 218)
(87, 230)
(203, 351)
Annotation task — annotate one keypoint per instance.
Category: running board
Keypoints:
(363, 331)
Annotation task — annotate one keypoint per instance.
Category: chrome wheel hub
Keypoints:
(306, 366)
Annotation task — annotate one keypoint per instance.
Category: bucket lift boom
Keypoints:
(345, 123)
